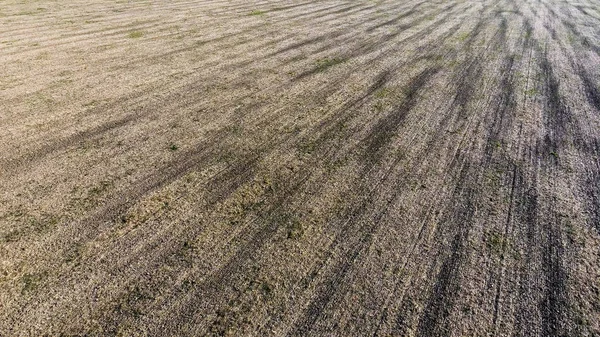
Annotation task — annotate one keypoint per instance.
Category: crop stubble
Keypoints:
(301, 168)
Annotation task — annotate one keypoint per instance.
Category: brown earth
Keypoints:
(300, 168)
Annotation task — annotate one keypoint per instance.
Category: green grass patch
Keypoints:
(462, 36)
(295, 230)
(307, 147)
(256, 12)
(135, 35)
(31, 282)
(383, 93)
(531, 92)
(496, 242)
(326, 63)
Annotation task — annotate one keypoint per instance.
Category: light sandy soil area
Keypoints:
(300, 168)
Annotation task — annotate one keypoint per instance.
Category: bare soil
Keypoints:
(300, 168)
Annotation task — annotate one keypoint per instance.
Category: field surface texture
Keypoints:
(300, 168)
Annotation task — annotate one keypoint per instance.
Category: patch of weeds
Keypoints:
(467, 310)
(99, 189)
(569, 229)
(292, 129)
(256, 12)
(307, 147)
(452, 64)
(334, 165)
(73, 253)
(31, 282)
(379, 106)
(188, 246)
(151, 207)
(266, 289)
(246, 199)
(516, 255)
(437, 58)
(186, 252)
(554, 154)
(324, 64)
(580, 320)
(399, 272)
(462, 36)
(227, 158)
(383, 93)
(43, 56)
(90, 104)
(12, 236)
(188, 284)
(173, 147)
(531, 92)
(235, 129)
(132, 303)
(135, 34)
(496, 242)
(26, 224)
(295, 229)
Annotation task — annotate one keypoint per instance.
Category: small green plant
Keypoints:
(235, 129)
(379, 106)
(307, 148)
(531, 92)
(173, 147)
(91, 104)
(495, 242)
(295, 230)
(31, 282)
(266, 289)
(324, 64)
(256, 12)
(462, 36)
(554, 154)
(382, 93)
(187, 245)
(99, 189)
(135, 35)
(43, 56)
(73, 253)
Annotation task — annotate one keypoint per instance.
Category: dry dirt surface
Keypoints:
(300, 168)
